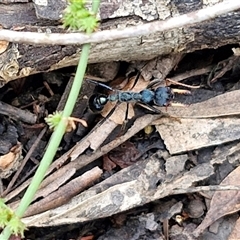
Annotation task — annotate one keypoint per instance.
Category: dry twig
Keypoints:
(109, 35)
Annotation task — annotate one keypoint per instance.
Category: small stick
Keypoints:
(16, 113)
(29, 104)
(48, 88)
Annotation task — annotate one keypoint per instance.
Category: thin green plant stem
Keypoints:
(57, 134)
(53, 143)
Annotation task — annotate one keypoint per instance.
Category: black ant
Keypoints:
(149, 97)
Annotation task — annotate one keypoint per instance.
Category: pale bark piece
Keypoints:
(122, 196)
(3, 45)
(101, 130)
(49, 9)
(222, 203)
(176, 164)
(192, 134)
(198, 173)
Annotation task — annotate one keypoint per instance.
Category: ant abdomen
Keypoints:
(97, 102)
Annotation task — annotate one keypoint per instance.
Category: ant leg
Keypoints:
(180, 84)
(138, 75)
(154, 83)
(100, 84)
(157, 111)
(149, 107)
(125, 118)
(136, 79)
(126, 114)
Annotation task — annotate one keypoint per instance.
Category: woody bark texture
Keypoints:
(19, 60)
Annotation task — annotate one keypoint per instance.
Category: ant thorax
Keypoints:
(147, 96)
(122, 96)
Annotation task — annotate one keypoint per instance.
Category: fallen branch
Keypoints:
(109, 35)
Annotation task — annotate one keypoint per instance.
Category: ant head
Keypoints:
(97, 102)
(163, 96)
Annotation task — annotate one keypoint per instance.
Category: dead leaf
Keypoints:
(124, 155)
(223, 202)
(10, 161)
(6, 160)
(134, 86)
(160, 66)
(225, 66)
(108, 165)
(119, 83)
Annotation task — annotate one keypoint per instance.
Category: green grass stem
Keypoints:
(57, 134)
